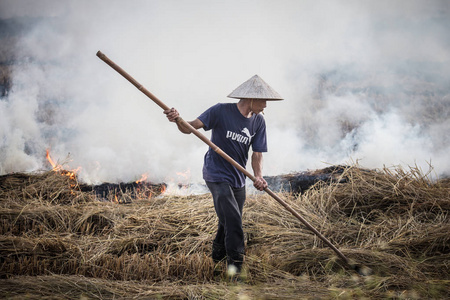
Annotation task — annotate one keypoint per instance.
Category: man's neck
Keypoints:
(245, 108)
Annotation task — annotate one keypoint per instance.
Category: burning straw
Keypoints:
(392, 220)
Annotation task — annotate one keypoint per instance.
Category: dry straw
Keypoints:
(57, 240)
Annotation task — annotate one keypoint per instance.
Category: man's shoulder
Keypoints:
(225, 105)
(222, 107)
(216, 114)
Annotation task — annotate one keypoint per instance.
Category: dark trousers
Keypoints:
(228, 203)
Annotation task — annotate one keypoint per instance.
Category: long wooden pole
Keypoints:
(225, 156)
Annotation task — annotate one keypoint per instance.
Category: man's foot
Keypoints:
(218, 252)
(234, 274)
(234, 262)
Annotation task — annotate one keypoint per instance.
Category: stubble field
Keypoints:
(58, 242)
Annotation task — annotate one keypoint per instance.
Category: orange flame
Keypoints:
(163, 189)
(143, 178)
(58, 168)
(50, 160)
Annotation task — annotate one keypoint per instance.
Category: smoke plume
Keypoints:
(362, 80)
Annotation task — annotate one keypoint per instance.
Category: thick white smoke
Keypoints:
(362, 81)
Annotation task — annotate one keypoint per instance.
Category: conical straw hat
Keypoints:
(255, 88)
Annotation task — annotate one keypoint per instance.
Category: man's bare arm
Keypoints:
(257, 164)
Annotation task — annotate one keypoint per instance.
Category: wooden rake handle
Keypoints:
(221, 153)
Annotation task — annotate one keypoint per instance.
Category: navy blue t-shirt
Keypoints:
(233, 133)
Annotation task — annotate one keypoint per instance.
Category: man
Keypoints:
(235, 127)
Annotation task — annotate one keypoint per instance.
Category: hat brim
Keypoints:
(255, 88)
(255, 98)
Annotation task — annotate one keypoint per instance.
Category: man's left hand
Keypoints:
(260, 184)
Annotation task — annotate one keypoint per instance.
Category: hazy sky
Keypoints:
(364, 81)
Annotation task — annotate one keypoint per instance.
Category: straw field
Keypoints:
(58, 242)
